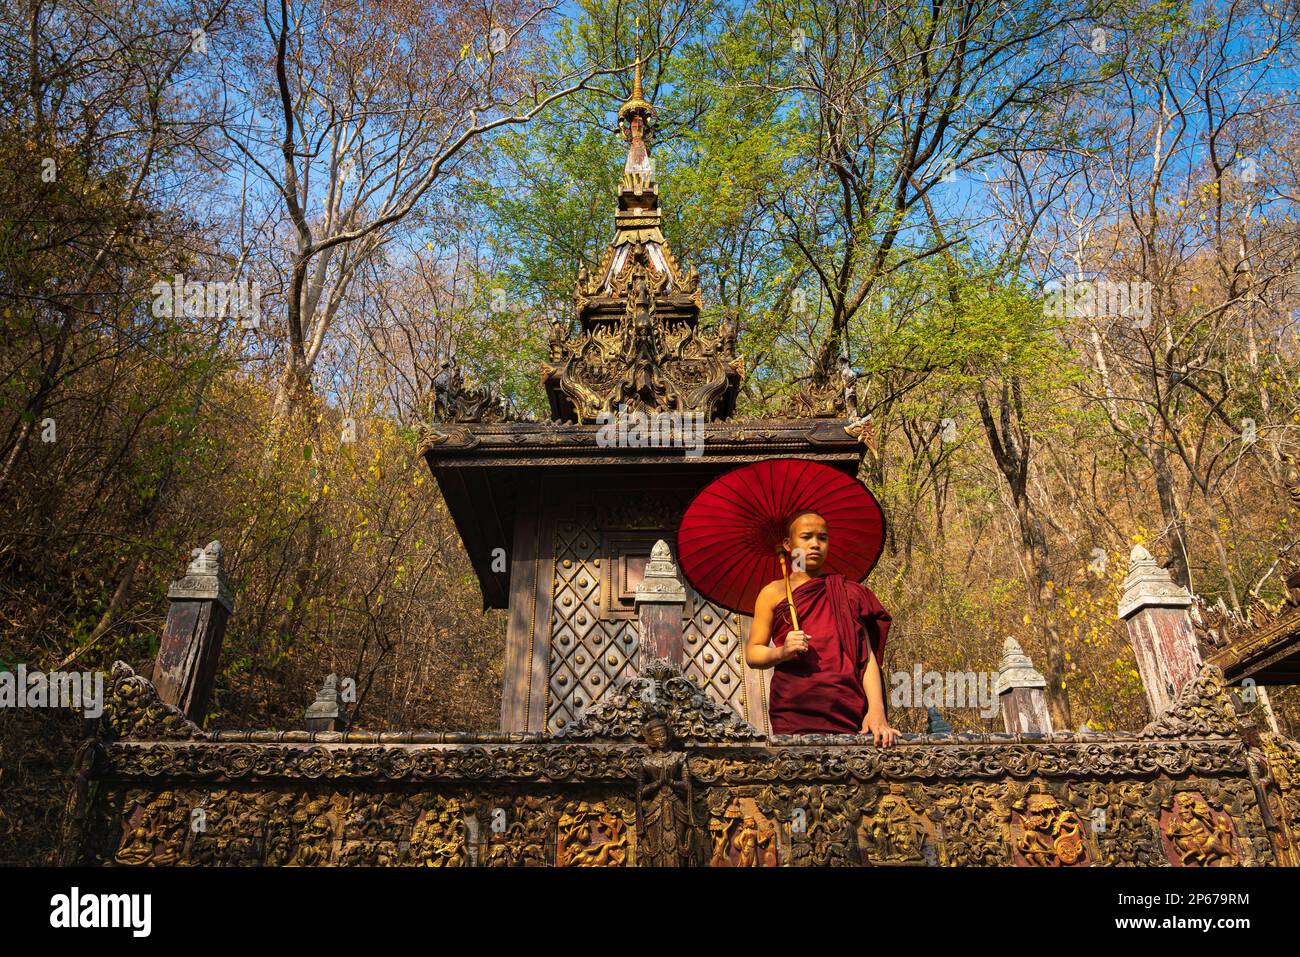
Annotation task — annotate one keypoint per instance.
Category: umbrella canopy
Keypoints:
(728, 540)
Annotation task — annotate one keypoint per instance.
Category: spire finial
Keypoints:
(638, 93)
(636, 104)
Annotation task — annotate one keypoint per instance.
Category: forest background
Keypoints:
(1055, 241)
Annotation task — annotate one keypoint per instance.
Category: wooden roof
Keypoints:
(482, 469)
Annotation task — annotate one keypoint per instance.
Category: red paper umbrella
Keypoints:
(729, 540)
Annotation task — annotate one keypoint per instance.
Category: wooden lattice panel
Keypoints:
(714, 652)
(588, 654)
(595, 646)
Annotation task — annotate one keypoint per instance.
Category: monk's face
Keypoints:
(810, 538)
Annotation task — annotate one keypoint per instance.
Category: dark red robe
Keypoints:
(820, 691)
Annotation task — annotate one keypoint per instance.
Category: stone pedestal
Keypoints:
(201, 602)
(1155, 609)
(660, 601)
(1021, 691)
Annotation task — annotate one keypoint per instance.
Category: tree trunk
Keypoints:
(1034, 543)
(1175, 521)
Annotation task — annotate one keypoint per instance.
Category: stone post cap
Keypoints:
(1147, 585)
(1016, 670)
(205, 578)
(661, 584)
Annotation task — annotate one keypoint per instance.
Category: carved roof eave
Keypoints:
(1272, 648)
(473, 444)
(481, 467)
(595, 299)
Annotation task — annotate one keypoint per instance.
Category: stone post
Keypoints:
(1160, 629)
(201, 602)
(1021, 690)
(660, 600)
(326, 712)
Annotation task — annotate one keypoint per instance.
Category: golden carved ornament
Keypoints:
(1196, 834)
(592, 835)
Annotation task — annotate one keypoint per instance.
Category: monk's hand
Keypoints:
(796, 643)
(876, 726)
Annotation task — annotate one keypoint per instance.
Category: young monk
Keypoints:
(827, 677)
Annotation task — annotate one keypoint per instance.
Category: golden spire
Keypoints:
(637, 222)
(636, 104)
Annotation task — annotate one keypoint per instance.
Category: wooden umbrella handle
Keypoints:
(789, 595)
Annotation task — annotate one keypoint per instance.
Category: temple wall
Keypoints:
(956, 804)
(656, 773)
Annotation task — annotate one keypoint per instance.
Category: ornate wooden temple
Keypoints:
(559, 520)
(632, 733)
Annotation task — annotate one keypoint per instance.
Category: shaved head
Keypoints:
(789, 524)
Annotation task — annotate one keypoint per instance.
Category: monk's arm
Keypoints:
(875, 723)
(758, 652)
(873, 684)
